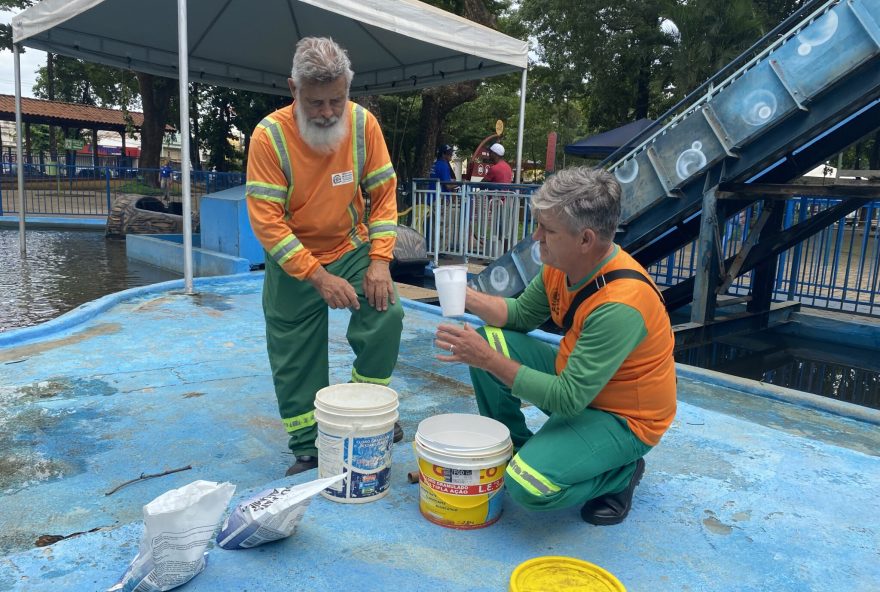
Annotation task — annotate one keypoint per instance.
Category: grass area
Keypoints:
(137, 186)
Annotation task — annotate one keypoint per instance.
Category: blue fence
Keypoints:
(835, 269)
(473, 220)
(60, 190)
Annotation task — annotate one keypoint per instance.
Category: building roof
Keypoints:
(67, 114)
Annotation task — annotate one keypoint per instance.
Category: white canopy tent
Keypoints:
(394, 45)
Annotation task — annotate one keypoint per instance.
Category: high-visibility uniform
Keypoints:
(609, 389)
(307, 209)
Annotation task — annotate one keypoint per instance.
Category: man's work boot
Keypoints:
(398, 433)
(612, 508)
(303, 463)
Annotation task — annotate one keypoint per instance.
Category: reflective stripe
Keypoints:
(355, 377)
(381, 228)
(267, 191)
(530, 479)
(285, 249)
(496, 340)
(300, 422)
(358, 141)
(353, 237)
(279, 143)
(379, 176)
(380, 223)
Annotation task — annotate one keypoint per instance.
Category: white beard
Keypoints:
(322, 135)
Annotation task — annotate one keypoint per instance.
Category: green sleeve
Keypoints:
(609, 335)
(530, 309)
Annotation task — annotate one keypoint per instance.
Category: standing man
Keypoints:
(307, 166)
(500, 171)
(165, 180)
(609, 390)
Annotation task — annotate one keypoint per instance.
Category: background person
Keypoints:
(165, 180)
(305, 173)
(442, 168)
(500, 171)
(609, 390)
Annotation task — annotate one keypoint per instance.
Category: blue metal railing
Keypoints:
(836, 269)
(72, 190)
(475, 220)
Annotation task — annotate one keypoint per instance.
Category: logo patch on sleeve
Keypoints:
(342, 178)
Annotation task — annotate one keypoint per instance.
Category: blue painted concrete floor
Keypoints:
(744, 493)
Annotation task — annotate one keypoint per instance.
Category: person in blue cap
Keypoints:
(442, 169)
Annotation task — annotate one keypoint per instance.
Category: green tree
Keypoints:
(773, 12)
(6, 30)
(709, 35)
(616, 51)
(77, 81)
(438, 103)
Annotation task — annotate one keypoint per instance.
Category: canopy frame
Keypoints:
(413, 46)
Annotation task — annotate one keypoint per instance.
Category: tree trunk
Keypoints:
(156, 95)
(438, 102)
(50, 91)
(194, 127)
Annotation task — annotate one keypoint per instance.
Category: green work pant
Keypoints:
(571, 459)
(297, 341)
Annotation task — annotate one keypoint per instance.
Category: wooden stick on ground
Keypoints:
(144, 477)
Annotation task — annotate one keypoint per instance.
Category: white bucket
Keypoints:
(451, 284)
(355, 436)
(462, 459)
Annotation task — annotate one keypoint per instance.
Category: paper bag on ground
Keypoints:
(270, 515)
(178, 526)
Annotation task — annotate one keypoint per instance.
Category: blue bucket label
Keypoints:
(369, 453)
(366, 462)
(362, 484)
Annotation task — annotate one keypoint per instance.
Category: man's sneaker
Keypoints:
(303, 463)
(398, 432)
(612, 508)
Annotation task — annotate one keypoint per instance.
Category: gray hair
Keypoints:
(582, 197)
(320, 59)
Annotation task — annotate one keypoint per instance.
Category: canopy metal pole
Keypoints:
(19, 160)
(183, 68)
(521, 127)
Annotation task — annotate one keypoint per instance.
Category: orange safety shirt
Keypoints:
(642, 390)
(306, 207)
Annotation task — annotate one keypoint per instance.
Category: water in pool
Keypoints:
(62, 270)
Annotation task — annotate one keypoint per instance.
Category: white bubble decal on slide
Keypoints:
(817, 33)
(759, 107)
(499, 278)
(536, 252)
(627, 172)
(690, 161)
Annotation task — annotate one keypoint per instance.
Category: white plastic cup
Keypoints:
(451, 284)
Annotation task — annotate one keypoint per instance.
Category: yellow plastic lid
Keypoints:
(562, 574)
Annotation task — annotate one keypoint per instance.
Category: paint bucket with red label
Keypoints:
(462, 459)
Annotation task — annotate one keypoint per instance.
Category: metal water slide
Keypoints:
(806, 96)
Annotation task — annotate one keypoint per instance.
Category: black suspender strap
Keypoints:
(599, 283)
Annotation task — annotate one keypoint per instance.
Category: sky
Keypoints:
(31, 61)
